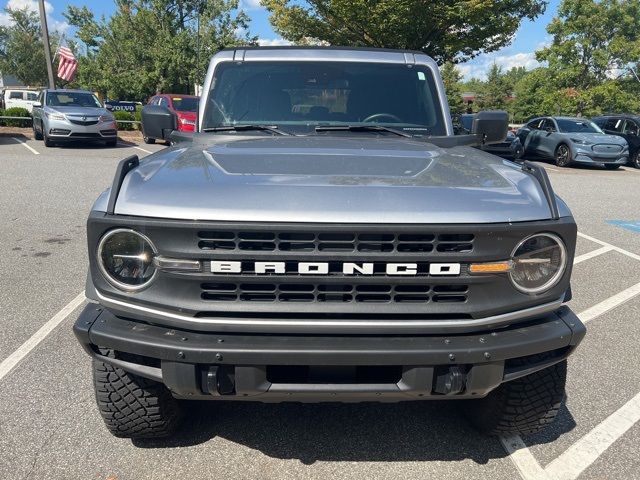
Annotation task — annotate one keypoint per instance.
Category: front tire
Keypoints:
(523, 406)
(133, 406)
(635, 159)
(111, 143)
(36, 135)
(148, 141)
(47, 141)
(563, 155)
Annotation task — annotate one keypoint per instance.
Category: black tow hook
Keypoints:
(450, 382)
(221, 380)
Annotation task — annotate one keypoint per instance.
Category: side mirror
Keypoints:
(550, 129)
(158, 122)
(37, 104)
(491, 126)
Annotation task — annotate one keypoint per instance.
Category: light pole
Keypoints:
(45, 41)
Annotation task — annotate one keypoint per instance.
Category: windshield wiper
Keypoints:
(244, 128)
(361, 128)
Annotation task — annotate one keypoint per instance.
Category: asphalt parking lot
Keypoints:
(50, 427)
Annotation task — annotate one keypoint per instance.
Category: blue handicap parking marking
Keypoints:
(632, 225)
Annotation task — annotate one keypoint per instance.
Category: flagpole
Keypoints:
(45, 41)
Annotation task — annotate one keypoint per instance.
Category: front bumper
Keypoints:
(65, 130)
(208, 365)
(586, 155)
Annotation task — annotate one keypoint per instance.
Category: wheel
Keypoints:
(148, 140)
(522, 406)
(36, 135)
(111, 143)
(635, 159)
(610, 166)
(47, 140)
(132, 406)
(563, 155)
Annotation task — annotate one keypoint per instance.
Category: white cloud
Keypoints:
(53, 24)
(250, 5)
(273, 42)
(478, 67)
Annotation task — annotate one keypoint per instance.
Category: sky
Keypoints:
(530, 36)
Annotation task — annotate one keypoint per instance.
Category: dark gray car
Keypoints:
(570, 140)
(324, 236)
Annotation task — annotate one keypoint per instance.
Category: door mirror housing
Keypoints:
(550, 129)
(491, 126)
(158, 122)
(37, 104)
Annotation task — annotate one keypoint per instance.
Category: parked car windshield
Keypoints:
(302, 95)
(73, 99)
(577, 126)
(185, 104)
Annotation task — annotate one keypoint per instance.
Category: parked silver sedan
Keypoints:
(568, 140)
(67, 115)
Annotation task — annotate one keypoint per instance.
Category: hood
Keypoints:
(329, 179)
(598, 138)
(73, 110)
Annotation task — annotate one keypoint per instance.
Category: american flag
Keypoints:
(67, 65)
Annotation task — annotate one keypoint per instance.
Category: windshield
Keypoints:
(303, 95)
(185, 104)
(73, 99)
(577, 126)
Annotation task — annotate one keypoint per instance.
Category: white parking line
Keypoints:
(28, 147)
(585, 451)
(593, 253)
(610, 303)
(523, 459)
(142, 149)
(613, 247)
(12, 360)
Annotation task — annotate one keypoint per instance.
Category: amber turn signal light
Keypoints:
(493, 267)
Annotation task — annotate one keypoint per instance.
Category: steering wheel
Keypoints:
(378, 116)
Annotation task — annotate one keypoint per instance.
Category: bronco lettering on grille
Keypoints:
(322, 268)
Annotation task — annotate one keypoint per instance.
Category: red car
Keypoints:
(185, 106)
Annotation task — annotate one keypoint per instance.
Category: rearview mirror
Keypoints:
(491, 126)
(158, 121)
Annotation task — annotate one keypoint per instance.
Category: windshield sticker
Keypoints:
(421, 76)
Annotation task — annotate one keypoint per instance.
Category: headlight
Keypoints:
(538, 263)
(107, 118)
(125, 258)
(55, 116)
(579, 141)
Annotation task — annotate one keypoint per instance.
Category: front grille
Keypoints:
(226, 240)
(333, 292)
(606, 148)
(85, 135)
(83, 122)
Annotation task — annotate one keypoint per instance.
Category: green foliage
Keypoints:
(451, 77)
(494, 94)
(21, 47)
(127, 116)
(448, 31)
(151, 46)
(16, 112)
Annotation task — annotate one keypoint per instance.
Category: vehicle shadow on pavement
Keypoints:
(409, 431)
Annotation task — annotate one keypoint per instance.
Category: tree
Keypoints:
(447, 30)
(451, 77)
(151, 46)
(21, 48)
(494, 94)
(592, 41)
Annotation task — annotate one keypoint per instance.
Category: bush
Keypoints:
(128, 116)
(138, 116)
(16, 112)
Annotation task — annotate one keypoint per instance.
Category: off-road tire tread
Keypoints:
(523, 406)
(133, 406)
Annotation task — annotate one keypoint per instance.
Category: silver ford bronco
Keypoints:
(324, 236)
